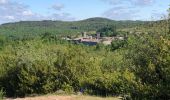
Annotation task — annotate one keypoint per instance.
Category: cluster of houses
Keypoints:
(93, 40)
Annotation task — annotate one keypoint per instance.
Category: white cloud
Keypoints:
(14, 11)
(126, 9)
(9, 17)
(121, 13)
(3, 1)
(57, 6)
(132, 2)
(113, 1)
(142, 2)
(62, 16)
(10, 9)
(28, 13)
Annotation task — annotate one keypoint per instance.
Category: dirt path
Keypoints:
(73, 97)
(46, 98)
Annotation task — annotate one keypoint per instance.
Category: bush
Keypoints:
(138, 70)
(111, 84)
(67, 88)
(2, 94)
(117, 44)
(149, 59)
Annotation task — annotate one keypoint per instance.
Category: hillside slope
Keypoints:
(63, 27)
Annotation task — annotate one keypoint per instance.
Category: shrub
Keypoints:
(150, 60)
(67, 88)
(111, 84)
(2, 94)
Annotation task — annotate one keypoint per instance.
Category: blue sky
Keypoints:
(68, 10)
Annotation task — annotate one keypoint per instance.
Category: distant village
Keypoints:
(93, 40)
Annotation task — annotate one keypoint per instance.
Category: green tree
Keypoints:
(150, 60)
(169, 19)
(2, 40)
(107, 31)
(116, 44)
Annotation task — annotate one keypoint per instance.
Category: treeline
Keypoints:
(63, 28)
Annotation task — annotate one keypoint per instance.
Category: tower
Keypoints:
(84, 34)
(98, 35)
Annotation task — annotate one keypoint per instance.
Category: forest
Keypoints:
(35, 60)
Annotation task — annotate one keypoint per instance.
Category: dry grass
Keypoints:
(72, 97)
(94, 98)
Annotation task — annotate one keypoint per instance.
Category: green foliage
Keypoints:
(107, 31)
(149, 57)
(169, 20)
(67, 88)
(31, 29)
(137, 67)
(2, 41)
(39, 67)
(111, 84)
(2, 94)
(116, 44)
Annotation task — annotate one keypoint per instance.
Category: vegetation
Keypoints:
(107, 31)
(2, 94)
(33, 28)
(169, 20)
(134, 68)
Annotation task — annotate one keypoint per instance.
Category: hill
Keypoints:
(38, 27)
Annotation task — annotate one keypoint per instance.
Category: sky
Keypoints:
(71, 10)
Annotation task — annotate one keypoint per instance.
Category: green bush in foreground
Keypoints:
(149, 56)
(35, 67)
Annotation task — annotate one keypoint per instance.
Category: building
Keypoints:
(97, 35)
(84, 34)
(90, 40)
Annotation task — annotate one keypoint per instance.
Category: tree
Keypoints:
(107, 31)
(169, 20)
(150, 60)
(116, 44)
(2, 41)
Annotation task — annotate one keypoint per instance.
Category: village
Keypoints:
(92, 40)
